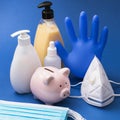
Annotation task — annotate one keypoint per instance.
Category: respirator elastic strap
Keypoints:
(116, 95)
(76, 96)
(117, 83)
(76, 84)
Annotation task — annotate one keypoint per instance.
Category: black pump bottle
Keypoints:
(47, 12)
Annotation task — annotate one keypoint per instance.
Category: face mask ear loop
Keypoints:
(117, 83)
(76, 84)
(74, 115)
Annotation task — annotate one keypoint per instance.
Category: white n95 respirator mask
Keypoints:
(96, 88)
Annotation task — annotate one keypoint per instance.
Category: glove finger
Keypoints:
(70, 30)
(83, 26)
(95, 28)
(61, 51)
(103, 38)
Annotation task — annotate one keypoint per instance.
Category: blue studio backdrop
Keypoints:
(23, 14)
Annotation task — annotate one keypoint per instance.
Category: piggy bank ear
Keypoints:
(48, 79)
(65, 71)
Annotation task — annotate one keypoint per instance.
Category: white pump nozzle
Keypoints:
(21, 32)
(23, 37)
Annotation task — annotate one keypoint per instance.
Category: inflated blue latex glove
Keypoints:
(84, 48)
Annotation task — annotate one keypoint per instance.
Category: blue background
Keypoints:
(23, 14)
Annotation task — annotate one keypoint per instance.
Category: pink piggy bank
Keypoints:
(50, 84)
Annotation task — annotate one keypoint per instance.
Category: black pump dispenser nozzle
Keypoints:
(47, 13)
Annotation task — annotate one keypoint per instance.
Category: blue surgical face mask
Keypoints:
(27, 111)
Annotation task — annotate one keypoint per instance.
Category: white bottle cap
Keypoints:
(23, 38)
(51, 51)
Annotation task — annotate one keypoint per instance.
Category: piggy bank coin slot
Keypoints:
(49, 70)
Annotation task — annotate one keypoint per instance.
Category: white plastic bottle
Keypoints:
(24, 63)
(52, 59)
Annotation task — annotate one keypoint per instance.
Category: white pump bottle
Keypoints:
(52, 59)
(24, 63)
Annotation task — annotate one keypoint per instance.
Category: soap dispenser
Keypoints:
(47, 31)
(25, 62)
(52, 59)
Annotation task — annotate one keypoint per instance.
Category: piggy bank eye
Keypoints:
(60, 86)
(66, 83)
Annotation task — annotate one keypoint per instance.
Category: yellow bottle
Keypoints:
(47, 31)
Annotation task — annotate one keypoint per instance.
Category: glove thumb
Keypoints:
(61, 51)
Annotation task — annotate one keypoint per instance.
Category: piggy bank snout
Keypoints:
(65, 93)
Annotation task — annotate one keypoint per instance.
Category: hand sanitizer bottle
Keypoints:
(47, 31)
(52, 59)
(24, 63)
